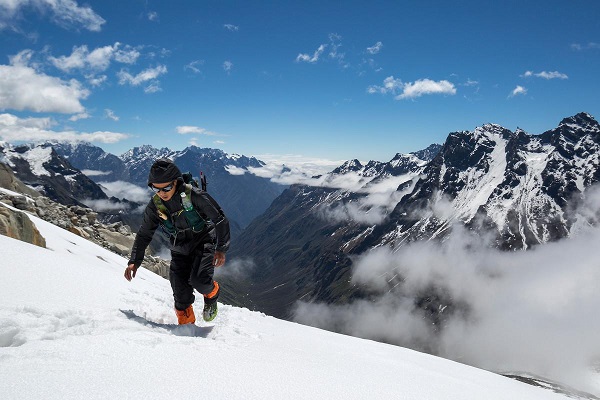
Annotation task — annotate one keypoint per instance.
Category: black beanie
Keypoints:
(163, 171)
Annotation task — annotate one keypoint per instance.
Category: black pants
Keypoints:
(193, 271)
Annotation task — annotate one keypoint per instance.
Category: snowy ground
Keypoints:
(71, 327)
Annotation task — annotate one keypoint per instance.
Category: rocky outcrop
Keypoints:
(9, 181)
(17, 225)
(81, 221)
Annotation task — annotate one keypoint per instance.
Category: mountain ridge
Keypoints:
(522, 187)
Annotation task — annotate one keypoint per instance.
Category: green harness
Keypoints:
(194, 219)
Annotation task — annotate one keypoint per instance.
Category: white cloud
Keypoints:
(152, 16)
(412, 89)
(376, 48)
(300, 166)
(507, 311)
(426, 86)
(194, 66)
(93, 172)
(582, 47)
(227, 66)
(238, 267)
(77, 117)
(334, 45)
(314, 58)
(124, 190)
(545, 75)
(232, 28)
(233, 170)
(390, 85)
(148, 75)
(96, 80)
(110, 114)
(23, 88)
(66, 13)
(519, 90)
(128, 55)
(186, 130)
(97, 60)
(105, 205)
(15, 129)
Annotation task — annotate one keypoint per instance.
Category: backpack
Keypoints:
(188, 178)
(193, 217)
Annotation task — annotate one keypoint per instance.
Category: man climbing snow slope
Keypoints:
(198, 234)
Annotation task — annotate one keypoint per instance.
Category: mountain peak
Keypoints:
(582, 119)
(348, 166)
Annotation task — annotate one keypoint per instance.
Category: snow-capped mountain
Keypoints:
(98, 164)
(43, 169)
(300, 245)
(118, 342)
(137, 161)
(242, 195)
(520, 189)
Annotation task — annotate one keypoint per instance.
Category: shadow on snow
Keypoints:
(178, 330)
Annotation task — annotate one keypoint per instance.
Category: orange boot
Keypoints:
(186, 316)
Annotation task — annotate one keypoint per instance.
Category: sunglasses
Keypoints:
(165, 189)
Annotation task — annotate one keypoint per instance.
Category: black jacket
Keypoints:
(185, 240)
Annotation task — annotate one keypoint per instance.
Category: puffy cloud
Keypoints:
(123, 190)
(390, 85)
(15, 129)
(412, 90)
(227, 66)
(24, 88)
(426, 86)
(148, 75)
(232, 28)
(66, 13)
(77, 117)
(519, 90)
(186, 130)
(233, 170)
(96, 60)
(153, 16)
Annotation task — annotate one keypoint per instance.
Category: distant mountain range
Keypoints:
(73, 174)
(44, 170)
(521, 189)
(243, 196)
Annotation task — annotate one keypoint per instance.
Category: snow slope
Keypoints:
(71, 327)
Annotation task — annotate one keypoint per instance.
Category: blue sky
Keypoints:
(315, 79)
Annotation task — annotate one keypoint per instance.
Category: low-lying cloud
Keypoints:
(532, 311)
(239, 268)
(126, 190)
